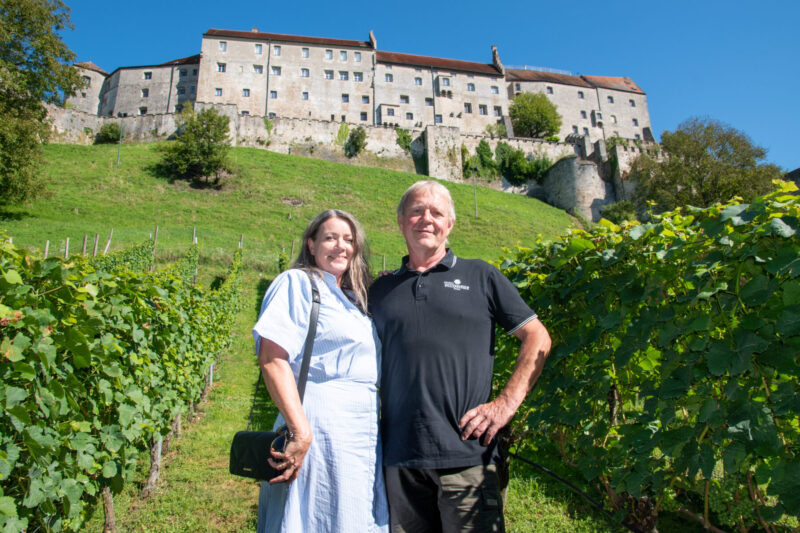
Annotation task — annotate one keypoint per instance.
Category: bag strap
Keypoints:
(309, 346)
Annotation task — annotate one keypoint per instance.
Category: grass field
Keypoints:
(269, 202)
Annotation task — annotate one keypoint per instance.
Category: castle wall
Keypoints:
(576, 186)
(87, 98)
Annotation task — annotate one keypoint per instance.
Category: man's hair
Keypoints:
(357, 277)
(428, 185)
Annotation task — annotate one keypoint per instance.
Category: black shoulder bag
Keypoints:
(250, 449)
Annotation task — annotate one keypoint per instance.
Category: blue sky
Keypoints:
(732, 60)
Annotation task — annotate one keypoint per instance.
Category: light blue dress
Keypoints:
(340, 486)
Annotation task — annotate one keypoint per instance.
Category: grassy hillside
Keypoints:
(270, 202)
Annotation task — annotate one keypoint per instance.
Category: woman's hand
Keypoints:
(291, 459)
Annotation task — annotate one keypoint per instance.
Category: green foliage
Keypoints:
(674, 363)
(34, 70)
(343, 134)
(615, 140)
(552, 138)
(356, 142)
(486, 162)
(497, 130)
(465, 161)
(516, 168)
(403, 139)
(705, 162)
(619, 212)
(137, 258)
(201, 150)
(109, 133)
(534, 115)
(95, 365)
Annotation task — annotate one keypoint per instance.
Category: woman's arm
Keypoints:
(279, 379)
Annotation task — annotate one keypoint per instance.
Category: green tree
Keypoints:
(201, 149)
(34, 70)
(109, 133)
(356, 142)
(705, 161)
(533, 115)
(404, 140)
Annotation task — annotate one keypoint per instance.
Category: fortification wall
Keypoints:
(576, 186)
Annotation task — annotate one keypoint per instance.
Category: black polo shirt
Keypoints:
(437, 333)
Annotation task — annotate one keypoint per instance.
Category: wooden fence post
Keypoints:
(83, 249)
(108, 242)
(46, 248)
(66, 249)
(96, 240)
(291, 255)
(241, 240)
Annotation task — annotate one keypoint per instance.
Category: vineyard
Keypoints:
(674, 381)
(100, 356)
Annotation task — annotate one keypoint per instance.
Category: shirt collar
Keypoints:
(447, 262)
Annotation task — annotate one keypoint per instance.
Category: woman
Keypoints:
(331, 476)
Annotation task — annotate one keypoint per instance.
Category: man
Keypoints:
(435, 317)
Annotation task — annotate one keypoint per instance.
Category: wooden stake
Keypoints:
(241, 240)
(108, 242)
(96, 240)
(66, 249)
(383, 267)
(155, 467)
(83, 249)
(194, 235)
(46, 248)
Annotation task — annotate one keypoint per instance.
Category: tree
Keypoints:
(356, 142)
(705, 162)
(109, 133)
(34, 70)
(533, 115)
(201, 149)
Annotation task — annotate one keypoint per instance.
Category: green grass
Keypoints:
(88, 194)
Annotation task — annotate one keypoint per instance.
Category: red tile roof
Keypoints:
(91, 66)
(552, 77)
(617, 84)
(183, 61)
(260, 36)
(436, 62)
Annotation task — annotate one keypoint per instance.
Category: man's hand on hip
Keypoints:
(484, 421)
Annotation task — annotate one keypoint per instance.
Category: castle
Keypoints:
(291, 76)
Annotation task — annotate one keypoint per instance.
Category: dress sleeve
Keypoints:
(508, 308)
(284, 313)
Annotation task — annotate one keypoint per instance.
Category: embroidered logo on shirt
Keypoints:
(456, 285)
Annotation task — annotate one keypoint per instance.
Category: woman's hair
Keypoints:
(427, 185)
(357, 277)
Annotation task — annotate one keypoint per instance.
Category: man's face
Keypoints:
(425, 221)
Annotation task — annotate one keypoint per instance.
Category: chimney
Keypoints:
(372, 40)
(496, 60)
(254, 30)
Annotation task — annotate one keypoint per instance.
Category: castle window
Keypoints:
(467, 107)
(304, 52)
(178, 108)
(192, 89)
(305, 95)
(258, 69)
(429, 101)
(636, 122)
(342, 55)
(357, 59)
(345, 98)
(389, 111)
(614, 119)
(409, 116)
(87, 80)
(148, 75)
(471, 87)
(364, 99)
(495, 90)
(574, 129)
(273, 94)
(328, 54)
(610, 99)
(259, 48)
(517, 87)
(446, 82)
(632, 103)
(246, 93)
(181, 89)
(389, 78)
(271, 115)
(437, 119)
(343, 75)
(223, 46)
(220, 67)
(637, 136)
(276, 71)
(363, 116)
(218, 91)
(483, 110)
(583, 114)
(245, 113)
(183, 72)
(403, 98)
(586, 131)
(194, 72)
(142, 110)
(417, 81)
(358, 76)
(580, 97)
(549, 90)
(498, 111)
(145, 93)
(276, 50)
(304, 73)
(328, 74)
(599, 115)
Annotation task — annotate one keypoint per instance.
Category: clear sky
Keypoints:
(735, 61)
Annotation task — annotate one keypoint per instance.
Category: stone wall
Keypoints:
(575, 185)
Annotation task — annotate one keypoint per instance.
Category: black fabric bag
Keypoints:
(250, 449)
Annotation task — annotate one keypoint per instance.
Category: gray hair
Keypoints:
(427, 185)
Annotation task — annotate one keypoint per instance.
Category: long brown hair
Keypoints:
(357, 277)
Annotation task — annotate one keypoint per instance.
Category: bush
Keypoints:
(342, 134)
(487, 165)
(619, 212)
(109, 133)
(516, 168)
(404, 140)
(497, 130)
(201, 150)
(356, 142)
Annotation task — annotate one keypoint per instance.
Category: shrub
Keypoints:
(109, 133)
(497, 130)
(619, 212)
(486, 159)
(356, 142)
(404, 140)
(342, 134)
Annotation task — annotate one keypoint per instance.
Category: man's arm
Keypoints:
(486, 419)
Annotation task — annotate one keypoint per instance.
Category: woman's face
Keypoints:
(333, 247)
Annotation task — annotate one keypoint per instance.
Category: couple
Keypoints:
(424, 333)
